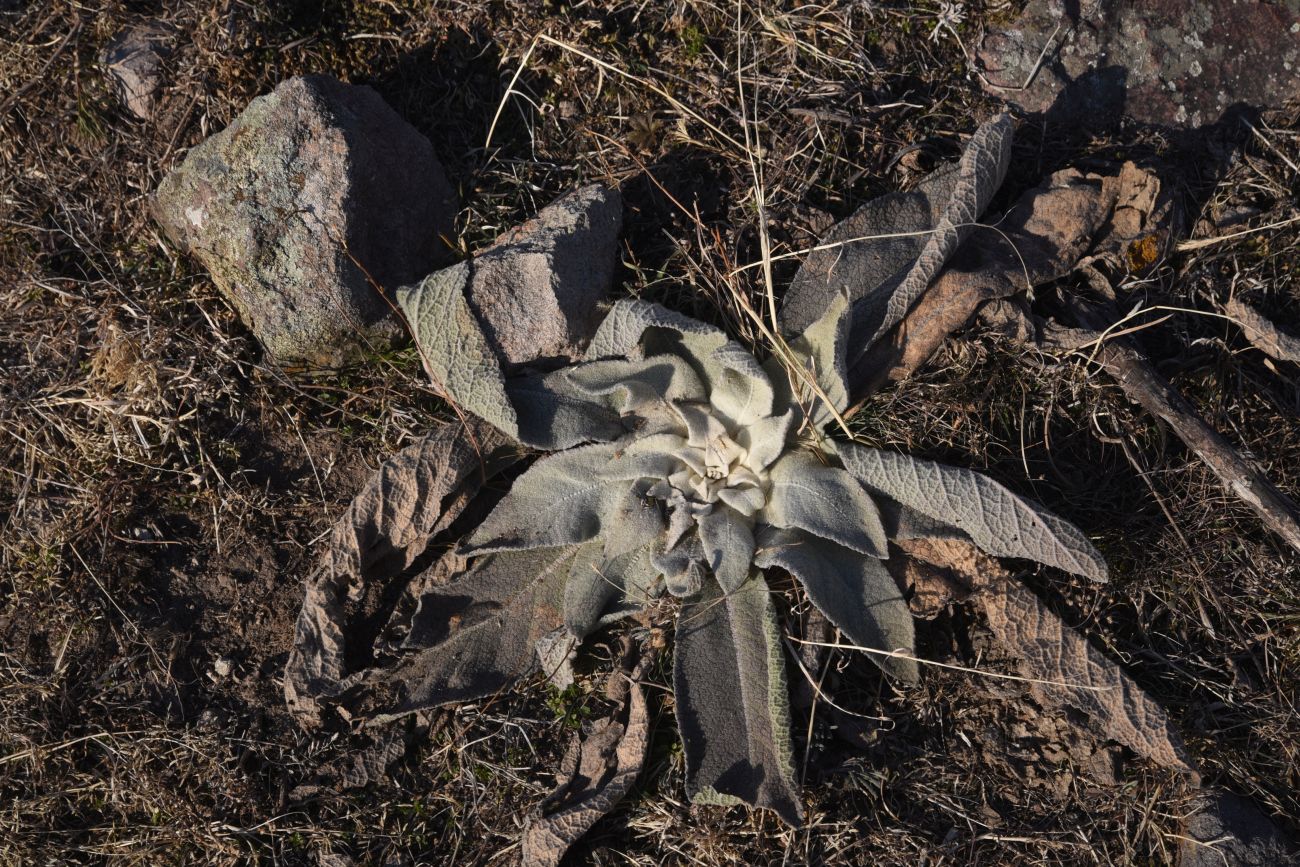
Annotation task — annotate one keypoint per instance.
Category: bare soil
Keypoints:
(164, 491)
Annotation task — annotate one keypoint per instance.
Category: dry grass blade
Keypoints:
(1202, 243)
(649, 85)
(1064, 684)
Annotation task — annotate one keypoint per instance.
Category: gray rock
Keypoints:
(1230, 832)
(280, 206)
(536, 289)
(1169, 62)
(134, 64)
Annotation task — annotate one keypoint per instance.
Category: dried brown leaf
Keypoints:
(1048, 650)
(940, 571)
(1126, 218)
(1045, 648)
(1261, 332)
(1041, 239)
(599, 770)
(414, 495)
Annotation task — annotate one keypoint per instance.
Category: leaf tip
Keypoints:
(904, 669)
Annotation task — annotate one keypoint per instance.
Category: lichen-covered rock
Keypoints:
(1168, 62)
(278, 205)
(134, 64)
(537, 288)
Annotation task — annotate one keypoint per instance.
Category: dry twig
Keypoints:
(1134, 373)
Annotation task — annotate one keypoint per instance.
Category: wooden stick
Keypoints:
(1135, 374)
(1139, 379)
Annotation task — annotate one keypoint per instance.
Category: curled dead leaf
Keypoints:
(1071, 217)
(1262, 333)
(414, 496)
(598, 772)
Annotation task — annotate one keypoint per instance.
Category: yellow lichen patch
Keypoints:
(1142, 253)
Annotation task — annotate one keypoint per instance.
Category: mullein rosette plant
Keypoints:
(683, 466)
(679, 466)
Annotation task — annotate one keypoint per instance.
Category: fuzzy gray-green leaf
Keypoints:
(653, 456)
(821, 348)
(728, 544)
(866, 250)
(766, 439)
(997, 521)
(733, 706)
(980, 172)
(854, 591)
(601, 589)
(680, 565)
(630, 519)
(738, 388)
(558, 501)
(903, 523)
(553, 414)
(593, 402)
(640, 581)
(455, 353)
(889, 250)
(825, 501)
(470, 638)
(588, 592)
(621, 331)
(637, 386)
(867, 254)
(741, 392)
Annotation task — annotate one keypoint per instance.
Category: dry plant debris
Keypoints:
(1076, 222)
(598, 771)
(1259, 330)
(1062, 668)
